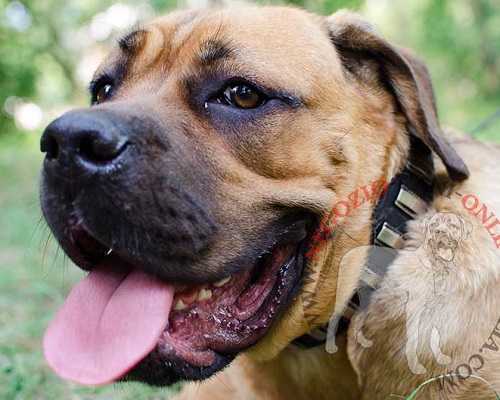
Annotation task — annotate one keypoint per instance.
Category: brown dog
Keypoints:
(216, 142)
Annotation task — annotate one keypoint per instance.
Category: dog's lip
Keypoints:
(89, 250)
(232, 318)
(203, 350)
(446, 243)
(252, 312)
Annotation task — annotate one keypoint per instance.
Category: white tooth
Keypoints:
(222, 282)
(180, 306)
(204, 294)
(109, 252)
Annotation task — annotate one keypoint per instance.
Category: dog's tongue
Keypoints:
(446, 254)
(110, 321)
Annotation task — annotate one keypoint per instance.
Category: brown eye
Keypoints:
(103, 94)
(244, 96)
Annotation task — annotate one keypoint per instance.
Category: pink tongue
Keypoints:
(109, 322)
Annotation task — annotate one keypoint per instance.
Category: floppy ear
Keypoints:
(369, 57)
(466, 227)
(424, 223)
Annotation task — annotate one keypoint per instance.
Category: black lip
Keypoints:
(86, 250)
(158, 370)
(91, 250)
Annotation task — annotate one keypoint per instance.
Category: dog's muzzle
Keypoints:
(129, 199)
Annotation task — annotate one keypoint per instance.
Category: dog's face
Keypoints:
(215, 142)
(443, 234)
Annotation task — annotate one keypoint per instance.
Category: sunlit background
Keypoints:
(48, 52)
(49, 49)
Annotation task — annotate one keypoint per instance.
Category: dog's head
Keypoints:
(443, 234)
(215, 142)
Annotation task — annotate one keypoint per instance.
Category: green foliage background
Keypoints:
(460, 39)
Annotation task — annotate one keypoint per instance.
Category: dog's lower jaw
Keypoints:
(327, 376)
(181, 356)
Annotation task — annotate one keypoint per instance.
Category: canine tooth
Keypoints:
(204, 294)
(180, 306)
(222, 282)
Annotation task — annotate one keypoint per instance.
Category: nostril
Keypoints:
(96, 149)
(50, 147)
(85, 139)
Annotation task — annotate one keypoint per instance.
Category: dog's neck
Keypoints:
(407, 197)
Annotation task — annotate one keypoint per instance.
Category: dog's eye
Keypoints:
(103, 94)
(242, 96)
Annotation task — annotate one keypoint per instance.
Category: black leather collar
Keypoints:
(408, 196)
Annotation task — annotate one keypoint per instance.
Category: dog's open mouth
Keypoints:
(445, 248)
(123, 323)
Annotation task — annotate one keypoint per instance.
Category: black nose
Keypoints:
(89, 139)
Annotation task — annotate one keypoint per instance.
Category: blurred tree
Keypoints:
(328, 6)
(460, 40)
(463, 33)
(487, 22)
(45, 47)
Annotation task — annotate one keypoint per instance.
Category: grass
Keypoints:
(34, 280)
(413, 394)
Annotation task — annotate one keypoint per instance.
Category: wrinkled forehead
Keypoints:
(445, 218)
(277, 44)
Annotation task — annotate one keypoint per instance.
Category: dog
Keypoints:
(190, 190)
(443, 234)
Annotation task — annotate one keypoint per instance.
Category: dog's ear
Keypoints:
(369, 57)
(424, 223)
(466, 227)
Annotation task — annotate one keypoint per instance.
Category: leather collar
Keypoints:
(408, 196)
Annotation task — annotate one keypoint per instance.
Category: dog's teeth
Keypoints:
(109, 252)
(204, 294)
(222, 282)
(180, 306)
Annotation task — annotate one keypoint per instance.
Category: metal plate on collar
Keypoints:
(389, 236)
(410, 203)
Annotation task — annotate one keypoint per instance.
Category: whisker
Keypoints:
(40, 222)
(46, 246)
